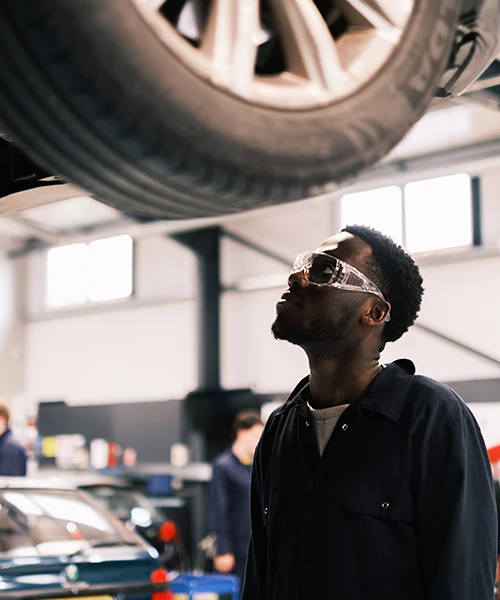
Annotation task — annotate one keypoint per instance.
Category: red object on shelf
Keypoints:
(494, 454)
(114, 454)
(161, 576)
(168, 532)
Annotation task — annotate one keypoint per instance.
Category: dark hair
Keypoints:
(5, 412)
(398, 277)
(244, 420)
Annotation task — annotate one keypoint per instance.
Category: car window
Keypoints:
(49, 522)
(123, 502)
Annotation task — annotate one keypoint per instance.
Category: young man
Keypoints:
(370, 482)
(12, 454)
(230, 494)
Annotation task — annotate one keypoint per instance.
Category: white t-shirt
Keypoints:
(324, 421)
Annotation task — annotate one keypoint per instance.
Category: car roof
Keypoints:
(32, 483)
(83, 478)
(60, 480)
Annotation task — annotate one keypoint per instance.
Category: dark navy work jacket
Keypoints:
(12, 456)
(399, 507)
(230, 505)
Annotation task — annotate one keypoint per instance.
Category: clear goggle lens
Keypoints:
(320, 269)
(323, 269)
(326, 270)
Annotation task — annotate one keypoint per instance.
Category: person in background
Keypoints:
(371, 482)
(497, 500)
(12, 454)
(230, 494)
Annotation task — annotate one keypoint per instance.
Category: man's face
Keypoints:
(249, 438)
(323, 317)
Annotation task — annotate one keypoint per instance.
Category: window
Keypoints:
(96, 272)
(426, 215)
(39, 522)
(380, 208)
(438, 213)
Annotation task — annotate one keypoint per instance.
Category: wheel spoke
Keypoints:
(295, 58)
(230, 41)
(378, 14)
(308, 43)
(150, 6)
(396, 11)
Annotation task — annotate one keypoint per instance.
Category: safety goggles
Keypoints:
(327, 271)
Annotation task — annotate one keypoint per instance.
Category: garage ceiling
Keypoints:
(75, 214)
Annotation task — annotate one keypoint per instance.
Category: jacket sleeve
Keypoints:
(456, 521)
(220, 510)
(255, 582)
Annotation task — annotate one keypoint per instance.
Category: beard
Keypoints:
(323, 337)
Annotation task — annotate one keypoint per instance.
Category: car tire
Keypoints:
(89, 91)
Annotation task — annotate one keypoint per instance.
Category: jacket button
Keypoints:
(307, 423)
(385, 505)
(266, 510)
(345, 427)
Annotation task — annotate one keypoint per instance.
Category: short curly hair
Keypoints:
(398, 277)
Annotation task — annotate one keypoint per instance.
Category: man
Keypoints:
(12, 454)
(230, 494)
(370, 482)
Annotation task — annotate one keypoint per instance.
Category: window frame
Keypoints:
(377, 189)
(88, 303)
(475, 211)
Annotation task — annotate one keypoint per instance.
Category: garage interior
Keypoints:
(187, 344)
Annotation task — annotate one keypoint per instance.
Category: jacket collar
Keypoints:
(386, 395)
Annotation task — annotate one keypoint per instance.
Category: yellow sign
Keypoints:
(49, 446)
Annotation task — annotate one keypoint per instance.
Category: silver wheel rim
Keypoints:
(316, 57)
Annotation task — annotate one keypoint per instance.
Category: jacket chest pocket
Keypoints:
(378, 536)
(383, 501)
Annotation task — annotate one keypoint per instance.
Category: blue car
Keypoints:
(59, 543)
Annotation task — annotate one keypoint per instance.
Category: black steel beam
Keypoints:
(205, 243)
(476, 211)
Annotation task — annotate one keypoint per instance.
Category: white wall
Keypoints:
(461, 301)
(12, 339)
(139, 349)
(138, 354)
